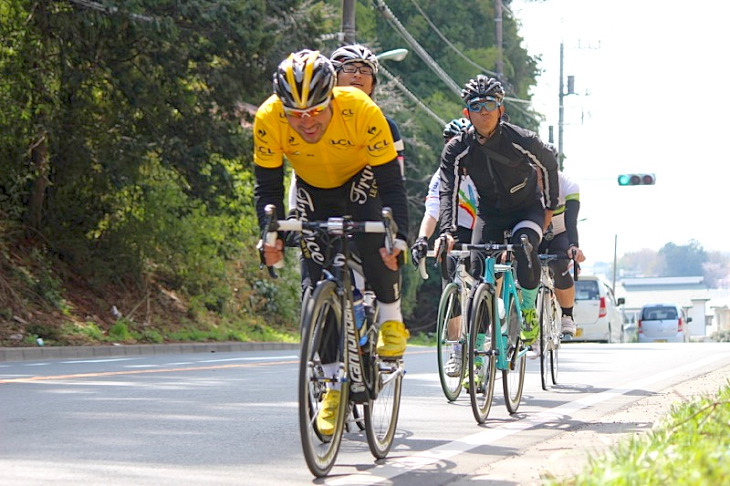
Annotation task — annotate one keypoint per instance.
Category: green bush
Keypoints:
(120, 332)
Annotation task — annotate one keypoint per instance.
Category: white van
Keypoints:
(596, 312)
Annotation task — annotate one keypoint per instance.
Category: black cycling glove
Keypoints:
(419, 250)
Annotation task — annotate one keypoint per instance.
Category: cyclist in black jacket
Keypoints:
(502, 160)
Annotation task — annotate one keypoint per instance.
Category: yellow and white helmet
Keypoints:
(304, 79)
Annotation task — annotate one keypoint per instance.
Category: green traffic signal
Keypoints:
(636, 179)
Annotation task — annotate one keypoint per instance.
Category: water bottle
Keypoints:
(358, 309)
(500, 308)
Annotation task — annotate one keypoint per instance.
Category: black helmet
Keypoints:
(304, 79)
(355, 53)
(482, 86)
(455, 126)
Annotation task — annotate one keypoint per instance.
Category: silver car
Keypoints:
(663, 323)
(596, 311)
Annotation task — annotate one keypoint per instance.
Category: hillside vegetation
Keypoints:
(125, 157)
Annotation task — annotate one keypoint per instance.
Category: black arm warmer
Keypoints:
(571, 221)
(393, 194)
(269, 189)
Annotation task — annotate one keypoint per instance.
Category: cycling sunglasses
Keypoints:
(352, 69)
(309, 112)
(489, 103)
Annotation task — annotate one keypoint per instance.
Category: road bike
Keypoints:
(451, 326)
(496, 347)
(370, 387)
(550, 315)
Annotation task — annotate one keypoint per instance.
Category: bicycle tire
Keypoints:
(543, 306)
(513, 378)
(555, 351)
(381, 413)
(449, 303)
(481, 378)
(324, 307)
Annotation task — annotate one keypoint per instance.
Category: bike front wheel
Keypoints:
(543, 307)
(513, 378)
(482, 360)
(321, 320)
(450, 309)
(381, 413)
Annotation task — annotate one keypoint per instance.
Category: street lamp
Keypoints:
(393, 55)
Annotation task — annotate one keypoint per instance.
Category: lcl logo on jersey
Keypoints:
(377, 146)
(343, 142)
(347, 112)
(261, 133)
(264, 151)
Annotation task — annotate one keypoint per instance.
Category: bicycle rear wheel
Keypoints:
(543, 307)
(449, 307)
(513, 378)
(482, 361)
(381, 413)
(323, 309)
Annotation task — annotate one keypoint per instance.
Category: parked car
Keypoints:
(596, 312)
(663, 323)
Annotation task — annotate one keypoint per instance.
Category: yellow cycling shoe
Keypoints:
(392, 339)
(327, 415)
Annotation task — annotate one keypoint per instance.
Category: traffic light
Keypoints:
(636, 179)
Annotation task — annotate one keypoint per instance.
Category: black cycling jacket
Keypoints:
(503, 171)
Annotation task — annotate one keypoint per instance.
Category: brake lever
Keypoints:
(390, 229)
(269, 235)
(527, 248)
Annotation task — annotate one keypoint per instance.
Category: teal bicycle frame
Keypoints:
(510, 294)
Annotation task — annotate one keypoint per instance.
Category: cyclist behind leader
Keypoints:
(465, 223)
(501, 159)
(339, 143)
(562, 238)
(356, 65)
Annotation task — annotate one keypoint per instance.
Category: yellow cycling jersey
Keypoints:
(357, 135)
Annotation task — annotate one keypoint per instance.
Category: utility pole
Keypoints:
(562, 94)
(498, 40)
(348, 21)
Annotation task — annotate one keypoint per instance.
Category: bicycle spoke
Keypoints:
(513, 378)
(381, 413)
(482, 362)
(449, 309)
(320, 450)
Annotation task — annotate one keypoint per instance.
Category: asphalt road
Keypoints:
(229, 418)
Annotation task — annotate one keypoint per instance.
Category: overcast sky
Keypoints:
(653, 96)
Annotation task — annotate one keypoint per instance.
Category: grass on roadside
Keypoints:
(690, 447)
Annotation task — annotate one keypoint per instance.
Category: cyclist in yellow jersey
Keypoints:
(339, 143)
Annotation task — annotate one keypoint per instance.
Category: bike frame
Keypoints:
(509, 294)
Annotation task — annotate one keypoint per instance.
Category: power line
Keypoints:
(451, 44)
(112, 10)
(395, 23)
(430, 62)
(411, 96)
